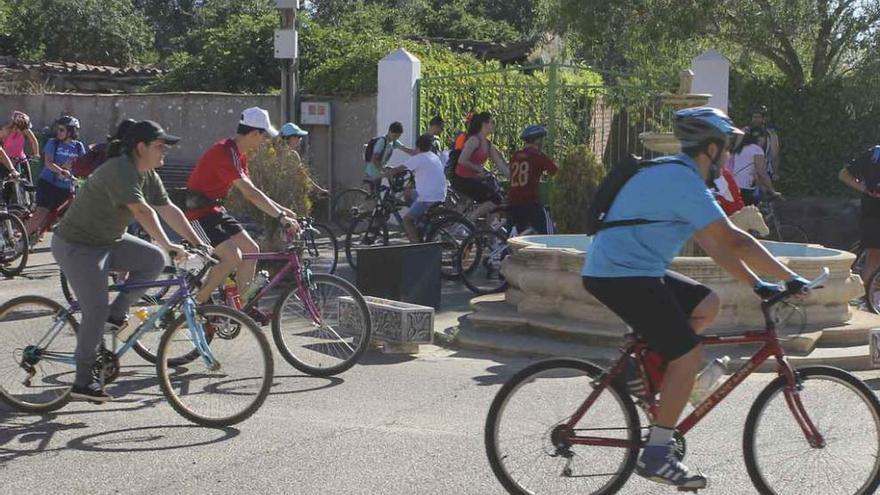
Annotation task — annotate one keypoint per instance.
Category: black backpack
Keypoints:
(368, 150)
(608, 190)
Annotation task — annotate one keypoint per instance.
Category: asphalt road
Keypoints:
(392, 425)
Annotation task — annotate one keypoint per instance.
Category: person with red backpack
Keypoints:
(84, 165)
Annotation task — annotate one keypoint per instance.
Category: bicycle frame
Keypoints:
(293, 265)
(181, 297)
(771, 348)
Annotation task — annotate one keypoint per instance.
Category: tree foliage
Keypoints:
(805, 40)
(108, 32)
(234, 57)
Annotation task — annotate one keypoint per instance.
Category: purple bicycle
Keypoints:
(214, 364)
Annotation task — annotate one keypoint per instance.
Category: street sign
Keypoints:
(315, 112)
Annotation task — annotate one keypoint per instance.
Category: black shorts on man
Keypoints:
(658, 309)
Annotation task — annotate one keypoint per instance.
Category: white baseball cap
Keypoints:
(258, 118)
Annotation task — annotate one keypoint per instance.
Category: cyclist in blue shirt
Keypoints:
(627, 269)
(55, 182)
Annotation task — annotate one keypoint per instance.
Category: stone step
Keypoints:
(854, 333)
(856, 358)
(468, 336)
(492, 313)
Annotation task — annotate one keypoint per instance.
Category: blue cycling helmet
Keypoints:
(290, 129)
(698, 126)
(533, 131)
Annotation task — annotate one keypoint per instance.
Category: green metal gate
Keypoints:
(572, 101)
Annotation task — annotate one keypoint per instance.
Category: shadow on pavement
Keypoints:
(497, 374)
(315, 382)
(151, 438)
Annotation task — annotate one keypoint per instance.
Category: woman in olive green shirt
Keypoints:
(91, 241)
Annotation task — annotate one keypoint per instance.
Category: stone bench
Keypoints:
(398, 327)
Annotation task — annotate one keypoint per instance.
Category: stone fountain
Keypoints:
(547, 311)
(665, 142)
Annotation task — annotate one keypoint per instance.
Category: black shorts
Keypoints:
(658, 309)
(529, 215)
(478, 189)
(870, 227)
(50, 196)
(218, 227)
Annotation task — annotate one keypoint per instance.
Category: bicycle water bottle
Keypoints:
(260, 281)
(140, 315)
(709, 379)
(233, 298)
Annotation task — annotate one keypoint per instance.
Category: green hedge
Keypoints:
(820, 127)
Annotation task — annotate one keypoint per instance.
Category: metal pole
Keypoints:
(288, 74)
(551, 108)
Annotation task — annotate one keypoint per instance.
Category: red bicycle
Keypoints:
(815, 430)
(25, 210)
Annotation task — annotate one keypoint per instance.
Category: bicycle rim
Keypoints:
(325, 334)
(872, 291)
(346, 201)
(232, 392)
(31, 377)
(792, 233)
(530, 408)
(14, 246)
(484, 253)
(367, 230)
(845, 412)
(451, 232)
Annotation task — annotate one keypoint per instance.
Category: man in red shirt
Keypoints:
(222, 166)
(526, 168)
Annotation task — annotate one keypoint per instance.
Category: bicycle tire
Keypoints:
(791, 233)
(484, 252)
(364, 231)
(858, 263)
(143, 348)
(324, 242)
(451, 231)
(847, 418)
(14, 245)
(356, 319)
(872, 292)
(562, 368)
(26, 309)
(171, 379)
(353, 197)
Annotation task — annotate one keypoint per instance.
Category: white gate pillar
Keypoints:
(398, 73)
(712, 76)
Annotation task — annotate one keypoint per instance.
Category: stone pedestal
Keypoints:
(397, 326)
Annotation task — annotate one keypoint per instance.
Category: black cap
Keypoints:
(147, 131)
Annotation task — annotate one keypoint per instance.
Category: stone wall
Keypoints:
(202, 118)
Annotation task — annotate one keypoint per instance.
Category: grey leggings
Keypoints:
(86, 268)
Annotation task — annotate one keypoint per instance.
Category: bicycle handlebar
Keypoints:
(814, 284)
(198, 252)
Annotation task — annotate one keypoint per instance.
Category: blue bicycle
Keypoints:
(214, 364)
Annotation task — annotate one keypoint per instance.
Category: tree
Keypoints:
(805, 40)
(91, 31)
(236, 56)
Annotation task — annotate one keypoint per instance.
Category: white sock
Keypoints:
(660, 435)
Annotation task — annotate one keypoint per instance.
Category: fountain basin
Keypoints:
(544, 278)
